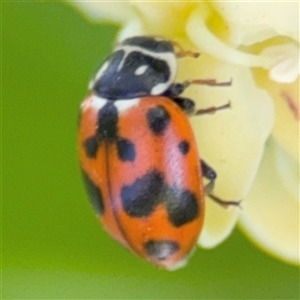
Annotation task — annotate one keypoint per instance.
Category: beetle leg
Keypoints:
(182, 52)
(212, 109)
(210, 82)
(224, 203)
(178, 88)
(210, 174)
(186, 104)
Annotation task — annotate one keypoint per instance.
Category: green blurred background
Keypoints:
(52, 245)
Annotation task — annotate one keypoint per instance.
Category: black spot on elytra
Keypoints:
(91, 147)
(108, 122)
(126, 150)
(161, 249)
(184, 147)
(158, 119)
(94, 193)
(142, 197)
(182, 206)
(106, 129)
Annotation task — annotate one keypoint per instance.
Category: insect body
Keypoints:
(138, 155)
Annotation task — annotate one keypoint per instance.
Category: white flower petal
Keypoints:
(164, 18)
(99, 11)
(133, 28)
(281, 16)
(281, 60)
(218, 223)
(247, 35)
(288, 170)
(285, 66)
(270, 214)
(206, 41)
(286, 100)
(286, 128)
(232, 140)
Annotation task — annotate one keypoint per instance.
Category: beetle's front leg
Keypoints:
(210, 174)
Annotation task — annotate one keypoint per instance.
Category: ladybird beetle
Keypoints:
(138, 154)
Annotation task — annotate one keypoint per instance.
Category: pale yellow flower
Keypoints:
(254, 147)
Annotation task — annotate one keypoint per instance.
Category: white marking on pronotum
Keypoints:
(159, 88)
(94, 102)
(123, 105)
(169, 57)
(99, 74)
(140, 70)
